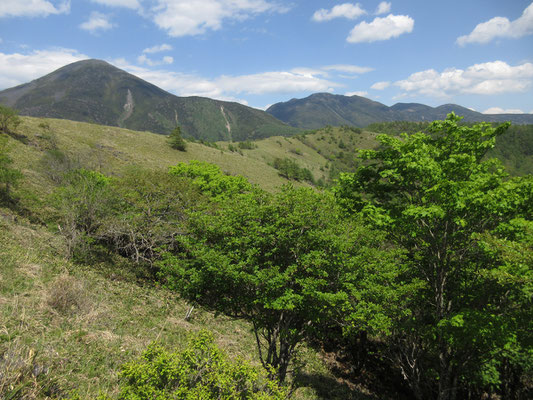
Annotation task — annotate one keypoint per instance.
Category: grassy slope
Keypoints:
(110, 149)
(79, 323)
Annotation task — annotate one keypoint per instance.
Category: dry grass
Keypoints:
(67, 295)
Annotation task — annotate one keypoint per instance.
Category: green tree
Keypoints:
(82, 204)
(176, 141)
(9, 119)
(151, 214)
(9, 177)
(451, 211)
(288, 263)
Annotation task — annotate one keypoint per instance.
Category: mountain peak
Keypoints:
(321, 109)
(97, 92)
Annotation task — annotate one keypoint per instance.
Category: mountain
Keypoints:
(97, 92)
(321, 109)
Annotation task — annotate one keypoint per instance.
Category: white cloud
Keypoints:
(498, 110)
(380, 85)
(500, 27)
(385, 28)
(32, 8)
(18, 68)
(157, 49)
(195, 17)
(230, 87)
(143, 59)
(274, 82)
(97, 22)
(346, 68)
(133, 4)
(487, 79)
(357, 93)
(383, 8)
(346, 10)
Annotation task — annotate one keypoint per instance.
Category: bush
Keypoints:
(210, 180)
(201, 371)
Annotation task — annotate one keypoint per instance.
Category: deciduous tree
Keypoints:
(288, 263)
(462, 222)
(9, 119)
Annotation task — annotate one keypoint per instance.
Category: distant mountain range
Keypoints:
(97, 92)
(322, 109)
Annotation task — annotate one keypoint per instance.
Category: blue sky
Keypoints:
(476, 53)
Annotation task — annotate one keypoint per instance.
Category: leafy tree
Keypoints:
(9, 119)
(200, 371)
(288, 263)
(176, 141)
(9, 177)
(151, 214)
(82, 203)
(453, 213)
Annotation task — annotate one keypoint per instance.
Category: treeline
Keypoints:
(421, 260)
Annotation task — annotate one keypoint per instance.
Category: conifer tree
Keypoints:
(176, 141)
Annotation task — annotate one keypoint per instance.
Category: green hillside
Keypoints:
(76, 322)
(69, 320)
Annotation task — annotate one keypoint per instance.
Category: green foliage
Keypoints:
(247, 145)
(289, 169)
(176, 141)
(201, 371)
(288, 263)
(210, 180)
(9, 119)
(9, 177)
(437, 198)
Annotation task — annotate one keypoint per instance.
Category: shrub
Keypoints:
(210, 180)
(201, 371)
